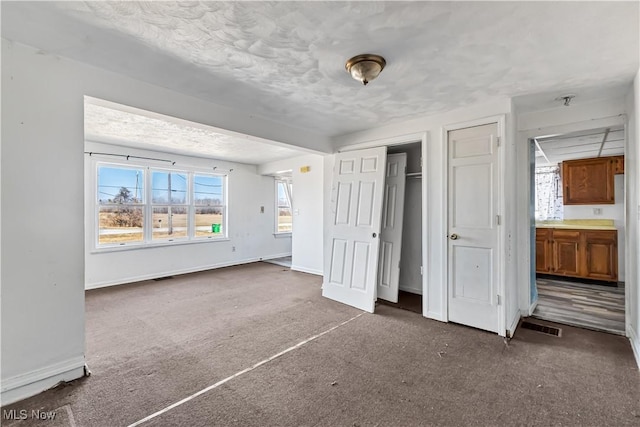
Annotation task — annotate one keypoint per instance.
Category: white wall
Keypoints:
(434, 164)
(43, 253)
(632, 182)
(250, 231)
(306, 243)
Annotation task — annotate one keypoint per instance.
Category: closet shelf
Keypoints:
(414, 175)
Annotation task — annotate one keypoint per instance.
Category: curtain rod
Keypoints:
(128, 156)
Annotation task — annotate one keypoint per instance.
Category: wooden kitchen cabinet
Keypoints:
(543, 250)
(619, 165)
(589, 254)
(601, 257)
(588, 181)
(566, 252)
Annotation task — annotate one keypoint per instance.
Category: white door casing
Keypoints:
(356, 207)
(391, 234)
(473, 236)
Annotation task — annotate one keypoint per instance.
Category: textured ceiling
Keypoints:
(285, 60)
(161, 133)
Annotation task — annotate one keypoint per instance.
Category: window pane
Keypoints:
(284, 220)
(283, 199)
(120, 185)
(169, 222)
(210, 221)
(169, 188)
(207, 190)
(120, 224)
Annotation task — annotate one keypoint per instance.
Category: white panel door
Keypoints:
(473, 226)
(356, 207)
(391, 234)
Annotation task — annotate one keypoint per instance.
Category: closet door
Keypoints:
(351, 259)
(391, 235)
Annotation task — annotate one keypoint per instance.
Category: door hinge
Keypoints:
(498, 297)
(497, 141)
(497, 219)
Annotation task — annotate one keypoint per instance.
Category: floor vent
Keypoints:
(549, 330)
(159, 279)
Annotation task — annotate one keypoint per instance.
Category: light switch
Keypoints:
(261, 209)
(597, 211)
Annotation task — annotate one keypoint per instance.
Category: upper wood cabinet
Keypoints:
(619, 165)
(588, 181)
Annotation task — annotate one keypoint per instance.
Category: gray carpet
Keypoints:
(154, 343)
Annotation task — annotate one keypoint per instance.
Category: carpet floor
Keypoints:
(152, 344)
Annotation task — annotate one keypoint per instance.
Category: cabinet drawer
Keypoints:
(566, 234)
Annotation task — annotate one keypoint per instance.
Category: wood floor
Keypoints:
(589, 306)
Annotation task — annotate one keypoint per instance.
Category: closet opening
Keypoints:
(400, 260)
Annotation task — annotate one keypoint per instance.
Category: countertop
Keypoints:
(578, 224)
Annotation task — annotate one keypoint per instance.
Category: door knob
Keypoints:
(454, 237)
(375, 235)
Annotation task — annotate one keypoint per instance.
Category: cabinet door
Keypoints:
(588, 181)
(543, 250)
(601, 255)
(566, 252)
(619, 165)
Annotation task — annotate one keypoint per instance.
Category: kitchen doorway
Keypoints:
(577, 216)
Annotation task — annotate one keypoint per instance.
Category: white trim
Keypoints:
(500, 121)
(152, 276)
(513, 325)
(307, 270)
(634, 339)
(386, 142)
(31, 383)
(532, 308)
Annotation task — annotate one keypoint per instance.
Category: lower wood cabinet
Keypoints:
(589, 254)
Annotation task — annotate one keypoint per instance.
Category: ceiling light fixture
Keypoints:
(566, 99)
(365, 68)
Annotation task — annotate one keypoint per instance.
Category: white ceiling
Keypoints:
(121, 125)
(603, 142)
(284, 61)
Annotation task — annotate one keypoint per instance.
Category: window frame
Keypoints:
(287, 182)
(147, 205)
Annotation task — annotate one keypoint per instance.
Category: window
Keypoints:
(209, 204)
(548, 193)
(120, 205)
(141, 205)
(169, 205)
(283, 206)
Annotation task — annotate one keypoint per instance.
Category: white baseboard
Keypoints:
(307, 270)
(433, 315)
(411, 290)
(31, 383)
(635, 343)
(511, 329)
(152, 276)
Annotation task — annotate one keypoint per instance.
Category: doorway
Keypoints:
(402, 225)
(353, 259)
(578, 269)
